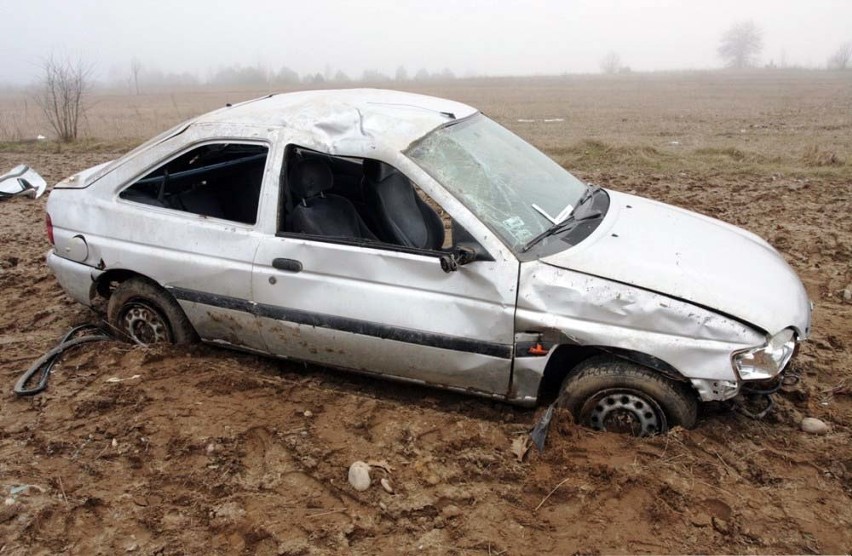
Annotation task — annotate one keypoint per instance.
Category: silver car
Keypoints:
(413, 237)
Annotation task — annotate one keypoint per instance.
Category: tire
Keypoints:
(611, 394)
(146, 314)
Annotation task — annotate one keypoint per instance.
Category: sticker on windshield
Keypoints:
(517, 229)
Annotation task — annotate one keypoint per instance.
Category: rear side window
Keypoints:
(220, 180)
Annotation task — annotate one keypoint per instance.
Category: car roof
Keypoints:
(347, 119)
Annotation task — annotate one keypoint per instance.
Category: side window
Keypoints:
(362, 200)
(221, 180)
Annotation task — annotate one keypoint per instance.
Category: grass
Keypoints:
(768, 122)
(603, 157)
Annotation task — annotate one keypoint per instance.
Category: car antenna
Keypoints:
(450, 115)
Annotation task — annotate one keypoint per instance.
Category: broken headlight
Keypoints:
(766, 361)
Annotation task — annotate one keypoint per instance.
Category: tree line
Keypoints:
(739, 48)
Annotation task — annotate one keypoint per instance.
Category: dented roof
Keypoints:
(354, 118)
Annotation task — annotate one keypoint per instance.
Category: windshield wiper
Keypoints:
(561, 225)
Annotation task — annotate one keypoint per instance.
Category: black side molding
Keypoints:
(345, 324)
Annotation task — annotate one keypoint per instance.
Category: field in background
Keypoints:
(786, 120)
(202, 450)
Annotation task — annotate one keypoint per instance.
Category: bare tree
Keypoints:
(741, 44)
(135, 69)
(374, 76)
(401, 74)
(286, 76)
(841, 57)
(611, 63)
(62, 94)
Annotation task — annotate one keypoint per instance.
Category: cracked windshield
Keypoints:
(510, 185)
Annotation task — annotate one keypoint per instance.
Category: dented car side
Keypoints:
(497, 321)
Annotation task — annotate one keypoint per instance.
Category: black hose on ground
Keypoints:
(45, 363)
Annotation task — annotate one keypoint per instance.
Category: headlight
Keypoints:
(766, 361)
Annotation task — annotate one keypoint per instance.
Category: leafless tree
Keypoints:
(341, 77)
(135, 70)
(62, 94)
(401, 74)
(741, 44)
(841, 57)
(611, 63)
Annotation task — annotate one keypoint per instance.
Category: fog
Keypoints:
(469, 37)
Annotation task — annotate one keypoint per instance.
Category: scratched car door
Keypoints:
(385, 311)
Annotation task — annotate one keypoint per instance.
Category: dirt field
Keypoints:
(202, 450)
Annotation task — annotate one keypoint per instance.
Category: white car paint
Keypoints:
(679, 290)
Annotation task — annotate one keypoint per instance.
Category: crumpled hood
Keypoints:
(695, 258)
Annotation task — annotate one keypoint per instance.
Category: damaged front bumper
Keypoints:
(759, 370)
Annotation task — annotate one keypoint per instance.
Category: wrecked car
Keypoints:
(415, 238)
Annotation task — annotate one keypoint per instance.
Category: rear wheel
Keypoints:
(146, 314)
(611, 394)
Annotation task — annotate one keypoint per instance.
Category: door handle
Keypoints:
(287, 265)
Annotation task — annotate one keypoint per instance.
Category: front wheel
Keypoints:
(146, 314)
(611, 394)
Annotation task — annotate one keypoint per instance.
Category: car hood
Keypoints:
(695, 258)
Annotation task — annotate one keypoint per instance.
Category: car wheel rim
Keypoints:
(144, 324)
(624, 411)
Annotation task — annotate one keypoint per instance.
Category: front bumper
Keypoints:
(719, 390)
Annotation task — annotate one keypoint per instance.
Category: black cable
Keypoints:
(45, 363)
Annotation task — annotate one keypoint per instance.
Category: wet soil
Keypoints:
(202, 450)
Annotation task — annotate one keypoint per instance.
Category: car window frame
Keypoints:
(185, 148)
(284, 191)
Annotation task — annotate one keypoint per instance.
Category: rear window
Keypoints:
(218, 180)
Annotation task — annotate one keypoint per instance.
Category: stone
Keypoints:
(812, 425)
(359, 476)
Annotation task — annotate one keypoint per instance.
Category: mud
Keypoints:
(211, 451)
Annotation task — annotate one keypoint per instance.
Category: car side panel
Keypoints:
(389, 312)
(175, 249)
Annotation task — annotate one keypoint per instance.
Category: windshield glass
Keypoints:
(512, 187)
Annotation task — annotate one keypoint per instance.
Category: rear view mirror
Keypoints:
(461, 255)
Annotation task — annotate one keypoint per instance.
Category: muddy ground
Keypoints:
(202, 450)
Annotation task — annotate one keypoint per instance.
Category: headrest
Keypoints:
(378, 171)
(310, 177)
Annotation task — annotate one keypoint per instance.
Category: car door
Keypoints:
(384, 310)
(190, 225)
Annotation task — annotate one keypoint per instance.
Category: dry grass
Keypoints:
(764, 122)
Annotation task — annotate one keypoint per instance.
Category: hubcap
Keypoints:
(144, 324)
(624, 411)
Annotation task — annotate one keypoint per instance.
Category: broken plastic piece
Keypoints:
(742, 407)
(539, 431)
(21, 181)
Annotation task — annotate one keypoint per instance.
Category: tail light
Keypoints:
(49, 225)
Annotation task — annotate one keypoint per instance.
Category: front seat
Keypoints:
(401, 215)
(319, 213)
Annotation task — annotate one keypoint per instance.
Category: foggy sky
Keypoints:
(498, 37)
